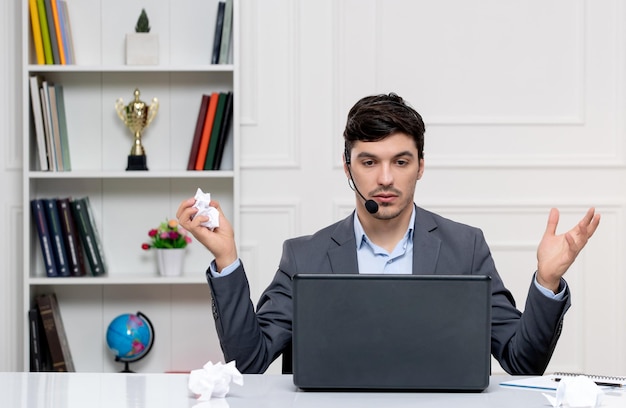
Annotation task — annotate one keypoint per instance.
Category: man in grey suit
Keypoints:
(387, 233)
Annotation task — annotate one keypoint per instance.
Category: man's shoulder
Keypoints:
(432, 221)
(342, 229)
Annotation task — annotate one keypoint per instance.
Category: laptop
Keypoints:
(391, 332)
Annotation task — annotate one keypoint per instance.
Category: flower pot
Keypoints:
(170, 261)
(142, 49)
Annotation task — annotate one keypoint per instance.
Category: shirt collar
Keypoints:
(361, 237)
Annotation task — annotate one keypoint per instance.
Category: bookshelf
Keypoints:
(127, 204)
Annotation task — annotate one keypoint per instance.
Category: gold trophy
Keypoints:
(137, 116)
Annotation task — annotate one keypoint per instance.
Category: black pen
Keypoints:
(598, 383)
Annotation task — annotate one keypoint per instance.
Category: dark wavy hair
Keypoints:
(375, 117)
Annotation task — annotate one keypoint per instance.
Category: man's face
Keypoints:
(386, 172)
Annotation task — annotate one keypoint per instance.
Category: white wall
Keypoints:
(523, 103)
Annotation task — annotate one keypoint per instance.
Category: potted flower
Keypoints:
(142, 47)
(170, 242)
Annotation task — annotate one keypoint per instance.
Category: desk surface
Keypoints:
(104, 390)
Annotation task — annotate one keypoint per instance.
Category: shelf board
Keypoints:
(93, 174)
(130, 68)
(119, 280)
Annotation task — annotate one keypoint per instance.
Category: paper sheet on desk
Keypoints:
(574, 392)
(544, 382)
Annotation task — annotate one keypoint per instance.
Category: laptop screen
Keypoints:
(402, 332)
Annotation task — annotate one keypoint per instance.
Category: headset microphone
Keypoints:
(370, 205)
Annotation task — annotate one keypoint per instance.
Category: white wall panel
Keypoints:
(269, 113)
(497, 84)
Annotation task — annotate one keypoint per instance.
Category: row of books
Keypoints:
(223, 33)
(68, 237)
(48, 106)
(212, 128)
(52, 35)
(49, 348)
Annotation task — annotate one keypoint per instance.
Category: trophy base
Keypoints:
(136, 163)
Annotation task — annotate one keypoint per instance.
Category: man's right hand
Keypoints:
(220, 241)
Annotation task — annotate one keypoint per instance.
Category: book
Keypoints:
(54, 329)
(54, 126)
(206, 131)
(45, 32)
(224, 131)
(197, 135)
(71, 238)
(217, 38)
(45, 241)
(52, 32)
(57, 30)
(68, 33)
(35, 99)
(215, 131)
(81, 210)
(47, 125)
(65, 147)
(550, 382)
(227, 28)
(36, 31)
(39, 350)
(56, 236)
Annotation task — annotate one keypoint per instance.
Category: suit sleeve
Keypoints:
(523, 343)
(252, 340)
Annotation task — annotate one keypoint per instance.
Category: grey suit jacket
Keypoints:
(522, 343)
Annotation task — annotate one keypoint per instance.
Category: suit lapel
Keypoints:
(342, 253)
(425, 244)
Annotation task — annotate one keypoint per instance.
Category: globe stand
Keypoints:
(126, 367)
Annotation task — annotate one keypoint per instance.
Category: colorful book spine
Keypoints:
(61, 117)
(36, 31)
(54, 5)
(71, 57)
(217, 38)
(227, 28)
(88, 236)
(45, 32)
(197, 135)
(45, 240)
(44, 93)
(206, 131)
(52, 32)
(71, 238)
(54, 126)
(35, 99)
(39, 350)
(224, 131)
(55, 333)
(56, 236)
(215, 131)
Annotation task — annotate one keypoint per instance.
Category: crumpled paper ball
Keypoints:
(577, 392)
(213, 380)
(202, 204)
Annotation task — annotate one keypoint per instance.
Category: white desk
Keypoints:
(117, 390)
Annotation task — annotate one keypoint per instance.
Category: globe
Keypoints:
(130, 337)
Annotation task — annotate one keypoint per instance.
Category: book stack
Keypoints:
(222, 39)
(68, 237)
(48, 107)
(51, 33)
(49, 348)
(211, 132)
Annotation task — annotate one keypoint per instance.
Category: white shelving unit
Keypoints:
(127, 204)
